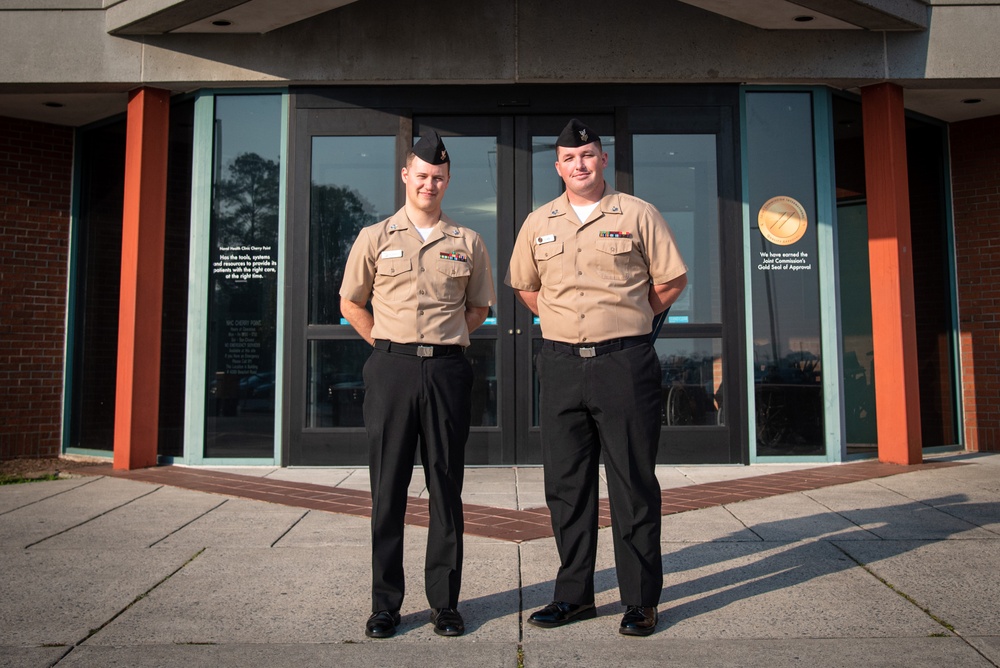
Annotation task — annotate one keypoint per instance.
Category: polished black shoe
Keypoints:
(382, 624)
(558, 613)
(638, 621)
(447, 622)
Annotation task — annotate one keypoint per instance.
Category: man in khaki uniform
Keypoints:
(430, 285)
(595, 266)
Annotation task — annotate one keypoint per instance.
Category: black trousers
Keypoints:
(610, 404)
(413, 402)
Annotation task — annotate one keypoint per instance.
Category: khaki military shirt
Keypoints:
(593, 278)
(419, 289)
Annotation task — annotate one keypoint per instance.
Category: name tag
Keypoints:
(389, 254)
(546, 239)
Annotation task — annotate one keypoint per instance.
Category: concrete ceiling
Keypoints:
(822, 14)
(158, 17)
(138, 17)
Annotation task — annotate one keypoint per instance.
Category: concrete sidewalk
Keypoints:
(898, 571)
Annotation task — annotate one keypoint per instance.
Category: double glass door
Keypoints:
(346, 165)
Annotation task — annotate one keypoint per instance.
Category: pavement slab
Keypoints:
(654, 652)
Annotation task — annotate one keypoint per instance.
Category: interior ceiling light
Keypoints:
(804, 19)
(972, 100)
(222, 23)
(53, 105)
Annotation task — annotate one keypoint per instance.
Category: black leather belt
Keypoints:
(602, 348)
(417, 350)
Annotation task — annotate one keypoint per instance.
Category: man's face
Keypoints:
(425, 184)
(582, 168)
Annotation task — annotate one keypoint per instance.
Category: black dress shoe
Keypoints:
(382, 624)
(638, 621)
(447, 622)
(558, 613)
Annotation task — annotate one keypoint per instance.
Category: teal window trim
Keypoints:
(198, 259)
(69, 336)
(835, 445)
(198, 275)
(956, 339)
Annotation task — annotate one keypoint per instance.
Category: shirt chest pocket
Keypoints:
(613, 258)
(549, 259)
(453, 277)
(394, 279)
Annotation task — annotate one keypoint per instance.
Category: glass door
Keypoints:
(345, 175)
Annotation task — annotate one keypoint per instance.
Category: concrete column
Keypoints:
(137, 401)
(897, 387)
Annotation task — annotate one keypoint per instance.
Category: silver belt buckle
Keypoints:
(425, 351)
(589, 351)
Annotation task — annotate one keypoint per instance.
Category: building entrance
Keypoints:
(346, 153)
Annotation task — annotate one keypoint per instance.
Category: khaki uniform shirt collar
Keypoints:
(399, 222)
(609, 204)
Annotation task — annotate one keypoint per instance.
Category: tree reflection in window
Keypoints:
(337, 214)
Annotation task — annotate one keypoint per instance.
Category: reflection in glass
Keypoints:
(482, 355)
(678, 175)
(335, 389)
(788, 392)
(691, 370)
(353, 186)
(243, 276)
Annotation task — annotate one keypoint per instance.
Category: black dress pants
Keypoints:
(413, 402)
(611, 404)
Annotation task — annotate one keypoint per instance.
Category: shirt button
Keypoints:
(420, 312)
(421, 292)
(423, 268)
(579, 250)
(582, 316)
(421, 336)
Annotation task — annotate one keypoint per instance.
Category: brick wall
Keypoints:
(35, 180)
(975, 159)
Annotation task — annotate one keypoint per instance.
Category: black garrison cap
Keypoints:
(576, 134)
(431, 149)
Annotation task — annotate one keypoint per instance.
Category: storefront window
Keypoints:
(787, 369)
(243, 278)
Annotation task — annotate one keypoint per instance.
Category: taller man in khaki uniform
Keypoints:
(430, 285)
(595, 266)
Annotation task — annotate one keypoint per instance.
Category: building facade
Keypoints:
(181, 182)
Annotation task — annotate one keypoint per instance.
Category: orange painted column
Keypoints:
(897, 389)
(137, 402)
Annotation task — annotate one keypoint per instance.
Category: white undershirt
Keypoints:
(583, 212)
(424, 231)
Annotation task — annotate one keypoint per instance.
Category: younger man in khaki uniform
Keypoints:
(595, 266)
(430, 285)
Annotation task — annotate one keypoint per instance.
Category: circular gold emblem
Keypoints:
(782, 220)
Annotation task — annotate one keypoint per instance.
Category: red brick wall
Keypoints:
(35, 179)
(975, 159)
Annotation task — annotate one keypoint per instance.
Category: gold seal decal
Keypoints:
(782, 220)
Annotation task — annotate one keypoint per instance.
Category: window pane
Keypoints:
(353, 186)
(677, 175)
(335, 390)
(244, 277)
(784, 275)
(691, 370)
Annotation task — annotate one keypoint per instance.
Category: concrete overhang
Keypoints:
(159, 17)
(822, 14)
